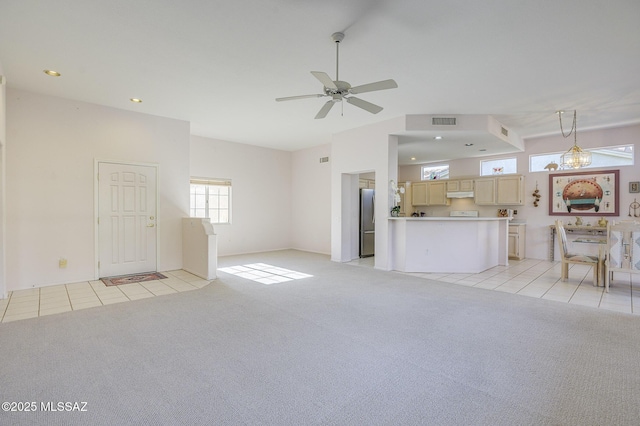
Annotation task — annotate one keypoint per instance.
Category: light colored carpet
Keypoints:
(348, 346)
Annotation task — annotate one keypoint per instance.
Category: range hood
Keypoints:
(460, 194)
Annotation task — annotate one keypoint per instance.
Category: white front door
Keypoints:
(127, 219)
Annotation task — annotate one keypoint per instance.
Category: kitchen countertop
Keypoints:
(457, 218)
(517, 222)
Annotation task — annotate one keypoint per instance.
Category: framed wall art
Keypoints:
(584, 193)
(634, 187)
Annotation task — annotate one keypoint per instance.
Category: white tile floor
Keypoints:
(541, 279)
(31, 303)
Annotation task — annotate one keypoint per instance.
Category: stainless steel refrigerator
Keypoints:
(367, 222)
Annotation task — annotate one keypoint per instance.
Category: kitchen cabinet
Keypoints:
(466, 185)
(517, 234)
(485, 191)
(509, 190)
(431, 193)
(437, 193)
(367, 184)
(419, 193)
(460, 185)
(453, 185)
(501, 191)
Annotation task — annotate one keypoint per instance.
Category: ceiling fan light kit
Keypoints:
(341, 90)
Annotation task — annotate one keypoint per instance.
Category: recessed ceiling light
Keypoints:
(52, 73)
(136, 100)
(437, 137)
(413, 158)
(468, 144)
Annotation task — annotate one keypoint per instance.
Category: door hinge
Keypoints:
(98, 264)
(98, 221)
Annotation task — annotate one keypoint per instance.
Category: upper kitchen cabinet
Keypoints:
(437, 193)
(500, 190)
(485, 191)
(367, 183)
(461, 185)
(419, 194)
(510, 190)
(430, 193)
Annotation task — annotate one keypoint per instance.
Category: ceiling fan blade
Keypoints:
(367, 106)
(291, 98)
(325, 110)
(324, 79)
(371, 87)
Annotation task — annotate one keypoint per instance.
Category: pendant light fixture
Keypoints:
(575, 157)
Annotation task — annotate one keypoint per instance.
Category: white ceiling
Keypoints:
(221, 64)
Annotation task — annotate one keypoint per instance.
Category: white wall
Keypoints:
(538, 218)
(261, 193)
(311, 200)
(3, 138)
(366, 149)
(50, 182)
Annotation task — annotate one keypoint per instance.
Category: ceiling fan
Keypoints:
(339, 90)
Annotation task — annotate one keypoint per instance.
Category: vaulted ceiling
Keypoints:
(221, 64)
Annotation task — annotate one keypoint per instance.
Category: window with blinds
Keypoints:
(606, 156)
(211, 198)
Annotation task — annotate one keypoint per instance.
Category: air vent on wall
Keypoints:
(505, 131)
(324, 159)
(443, 121)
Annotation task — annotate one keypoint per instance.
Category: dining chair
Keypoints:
(568, 257)
(623, 249)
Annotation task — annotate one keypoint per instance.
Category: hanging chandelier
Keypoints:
(575, 157)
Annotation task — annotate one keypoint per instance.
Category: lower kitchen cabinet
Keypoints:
(517, 234)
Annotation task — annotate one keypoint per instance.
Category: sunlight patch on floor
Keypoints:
(264, 273)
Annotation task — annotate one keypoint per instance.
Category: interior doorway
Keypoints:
(126, 210)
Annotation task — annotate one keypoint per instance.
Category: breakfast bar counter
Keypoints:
(448, 244)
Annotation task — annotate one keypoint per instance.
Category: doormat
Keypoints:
(129, 279)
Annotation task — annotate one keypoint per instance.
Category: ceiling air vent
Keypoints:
(505, 131)
(443, 121)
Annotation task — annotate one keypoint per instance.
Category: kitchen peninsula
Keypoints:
(448, 244)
